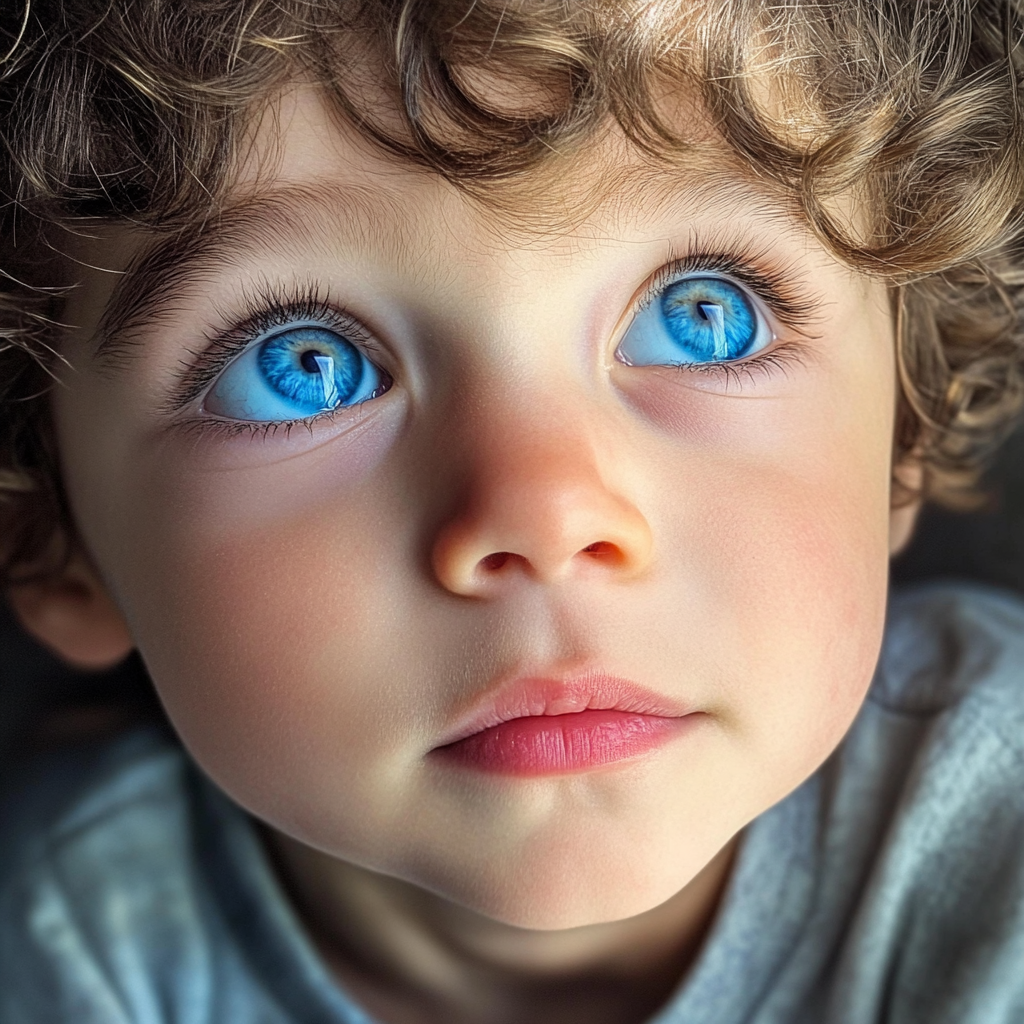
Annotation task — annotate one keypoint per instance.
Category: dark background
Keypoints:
(43, 704)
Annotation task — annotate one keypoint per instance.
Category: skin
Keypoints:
(315, 606)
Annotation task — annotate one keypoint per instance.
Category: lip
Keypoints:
(532, 726)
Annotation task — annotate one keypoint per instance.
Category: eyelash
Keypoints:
(269, 308)
(771, 288)
(263, 311)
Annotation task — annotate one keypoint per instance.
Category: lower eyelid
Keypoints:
(260, 316)
(774, 361)
(268, 380)
(650, 337)
(215, 426)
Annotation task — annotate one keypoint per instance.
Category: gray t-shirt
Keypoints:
(888, 888)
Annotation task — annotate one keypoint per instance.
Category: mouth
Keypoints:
(539, 726)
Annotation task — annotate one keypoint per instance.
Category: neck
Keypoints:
(411, 957)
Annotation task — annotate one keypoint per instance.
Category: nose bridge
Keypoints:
(538, 498)
(535, 476)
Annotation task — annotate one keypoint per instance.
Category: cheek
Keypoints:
(256, 598)
(813, 577)
(786, 542)
(255, 624)
(799, 600)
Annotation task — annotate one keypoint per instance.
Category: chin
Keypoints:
(576, 905)
(556, 893)
(531, 916)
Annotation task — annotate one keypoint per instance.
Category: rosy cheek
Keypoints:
(784, 505)
(271, 632)
(238, 581)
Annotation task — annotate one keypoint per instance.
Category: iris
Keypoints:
(294, 374)
(700, 319)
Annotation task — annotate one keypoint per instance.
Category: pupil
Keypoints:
(308, 360)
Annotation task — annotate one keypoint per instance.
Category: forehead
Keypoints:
(307, 181)
(301, 142)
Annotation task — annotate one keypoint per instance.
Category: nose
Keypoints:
(539, 503)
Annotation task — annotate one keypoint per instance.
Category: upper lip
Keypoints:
(524, 695)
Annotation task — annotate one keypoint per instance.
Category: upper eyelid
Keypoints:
(270, 312)
(794, 313)
(268, 307)
(283, 313)
(666, 276)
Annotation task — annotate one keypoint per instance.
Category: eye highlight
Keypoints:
(295, 374)
(697, 319)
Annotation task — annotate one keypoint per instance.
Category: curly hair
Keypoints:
(136, 110)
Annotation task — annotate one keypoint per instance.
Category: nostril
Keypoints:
(499, 564)
(495, 561)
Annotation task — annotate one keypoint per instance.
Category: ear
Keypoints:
(74, 616)
(905, 497)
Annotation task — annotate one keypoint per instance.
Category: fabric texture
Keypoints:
(888, 888)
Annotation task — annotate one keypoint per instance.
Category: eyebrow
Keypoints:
(197, 252)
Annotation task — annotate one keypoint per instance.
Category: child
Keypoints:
(491, 422)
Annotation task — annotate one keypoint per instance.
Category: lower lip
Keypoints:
(558, 744)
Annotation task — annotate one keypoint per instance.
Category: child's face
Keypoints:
(320, 606)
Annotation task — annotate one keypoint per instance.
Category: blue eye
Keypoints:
(695, 320)
(293, 375)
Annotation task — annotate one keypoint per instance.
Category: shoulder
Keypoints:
(66, 798)
(70, 801)
(133, 891)
(955, 649)
(95, 851)
(930, 787)
(945, 716)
